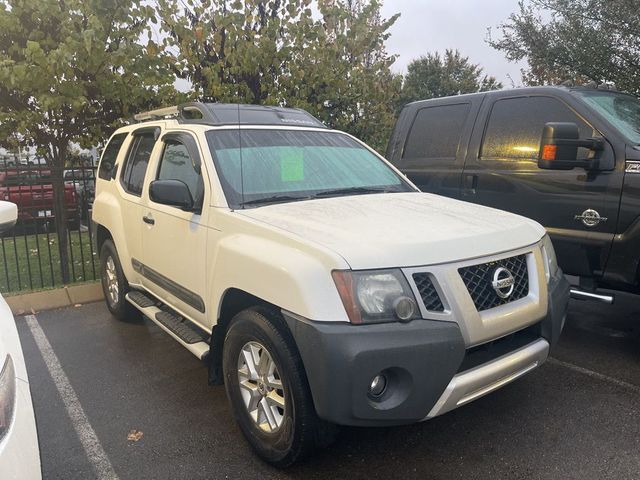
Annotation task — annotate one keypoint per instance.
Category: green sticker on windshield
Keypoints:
(292, 165)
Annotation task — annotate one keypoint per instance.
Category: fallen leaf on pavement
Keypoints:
(134, 435)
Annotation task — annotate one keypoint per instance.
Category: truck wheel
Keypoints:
(267, 387)
(114, 284)
(74, 224)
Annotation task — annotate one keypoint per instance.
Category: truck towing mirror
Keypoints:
(559, 147)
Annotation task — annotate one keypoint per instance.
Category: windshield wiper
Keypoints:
(350, 190)
(274, 199)
(324, 193)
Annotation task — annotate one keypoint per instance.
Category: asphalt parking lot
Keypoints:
(577, 417)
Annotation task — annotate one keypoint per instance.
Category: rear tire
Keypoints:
(74, 224)
(114, 284)
(268, 391)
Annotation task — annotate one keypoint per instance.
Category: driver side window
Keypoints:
(177, 164)
(515, 126)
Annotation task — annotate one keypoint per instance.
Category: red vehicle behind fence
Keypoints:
(32, 191)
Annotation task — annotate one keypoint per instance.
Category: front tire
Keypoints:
(267, 388)
(114, 284)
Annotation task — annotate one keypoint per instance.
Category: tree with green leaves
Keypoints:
(575, 40)
(276, 52)
(434, 76)
(235, 51)
(348, 82)
(69, 72)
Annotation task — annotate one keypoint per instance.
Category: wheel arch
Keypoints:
(102, 235)
(233, 301)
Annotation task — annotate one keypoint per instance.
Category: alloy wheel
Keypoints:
(261, 387)
(111, 277)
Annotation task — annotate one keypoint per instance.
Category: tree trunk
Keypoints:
(60, 210)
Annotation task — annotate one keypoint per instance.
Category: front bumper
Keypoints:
(420, 359)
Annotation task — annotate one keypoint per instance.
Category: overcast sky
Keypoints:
(435, 25)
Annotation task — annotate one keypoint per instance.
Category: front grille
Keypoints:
(479, 278)
(487, 352)
(428, 292)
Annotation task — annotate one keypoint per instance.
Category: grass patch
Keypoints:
(32, 262)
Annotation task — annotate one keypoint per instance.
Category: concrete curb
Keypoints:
(60, 297)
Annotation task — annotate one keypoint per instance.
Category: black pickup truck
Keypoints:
(568, 157)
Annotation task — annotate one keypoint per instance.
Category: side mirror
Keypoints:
(559, 147)
(8, 215)
(171, 192)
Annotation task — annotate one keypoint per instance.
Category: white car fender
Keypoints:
(284, 275)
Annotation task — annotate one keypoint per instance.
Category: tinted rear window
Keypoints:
(436, 132)
(110, 155)
(136, 165)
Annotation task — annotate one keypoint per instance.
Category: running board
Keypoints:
(582, 295)
(186, 333)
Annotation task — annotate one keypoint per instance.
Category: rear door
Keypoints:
(501, 171)
(132, 174)
(434, 148)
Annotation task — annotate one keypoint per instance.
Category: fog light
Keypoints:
(405, 308)
(378, 385)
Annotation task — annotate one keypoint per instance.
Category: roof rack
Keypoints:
(156, 114)
(232, 114)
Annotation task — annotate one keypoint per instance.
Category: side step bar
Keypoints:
(582, 295)
(186, 333)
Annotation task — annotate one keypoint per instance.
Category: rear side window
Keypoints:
(137, 161)
(436, 132)
(108, 162)
(515, 126)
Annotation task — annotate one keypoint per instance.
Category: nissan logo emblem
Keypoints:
(503, 282)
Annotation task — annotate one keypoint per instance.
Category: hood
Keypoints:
(401, 229)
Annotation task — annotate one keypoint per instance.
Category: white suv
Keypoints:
(321, 286)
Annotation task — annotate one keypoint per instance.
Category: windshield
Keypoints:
(622, 111)
(289, 165)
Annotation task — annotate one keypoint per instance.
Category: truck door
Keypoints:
(501, 171)
(436, 143)
(174, 241)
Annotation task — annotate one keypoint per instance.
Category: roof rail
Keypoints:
(186, 111)
(231, 114)
(156, 114)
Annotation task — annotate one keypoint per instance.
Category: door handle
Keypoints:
(470, 184)
(148, 220)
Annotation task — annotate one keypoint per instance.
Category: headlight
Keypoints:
(7, 396)
(376, 296)
(549, 257)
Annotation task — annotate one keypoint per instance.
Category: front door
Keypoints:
(501, 171)
(174, 241)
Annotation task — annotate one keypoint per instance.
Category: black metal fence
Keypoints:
(31, 254)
